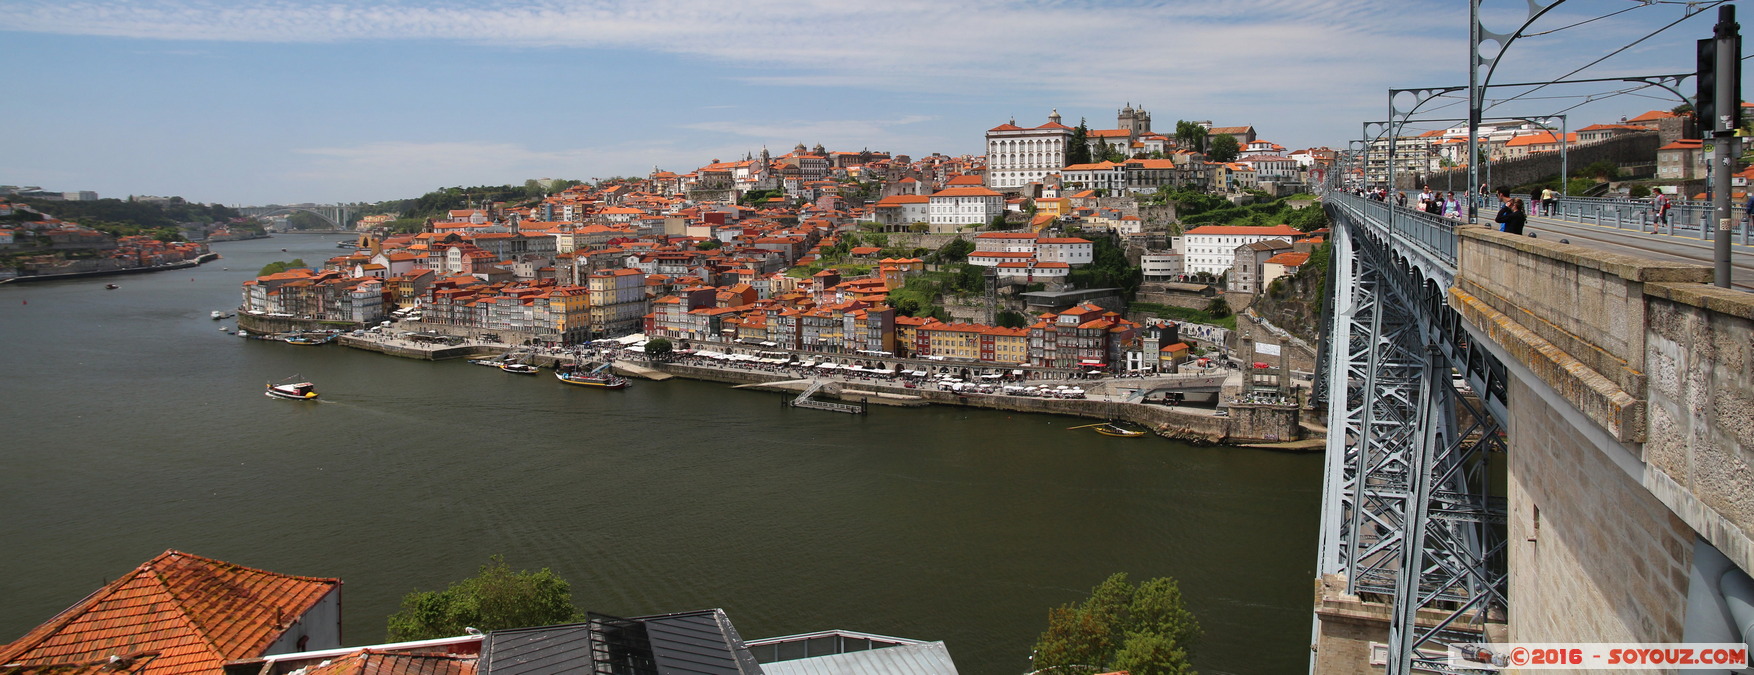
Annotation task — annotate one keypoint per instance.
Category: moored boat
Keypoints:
(309, 339)
(519, 368)
(593, 379)
(220, 314)
(1122, 432)
(297, 391)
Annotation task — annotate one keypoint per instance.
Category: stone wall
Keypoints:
(264, 325)
(1631, 408)
(1511, 173)
(1700, 360)
(1594, 557)
(1575, 315)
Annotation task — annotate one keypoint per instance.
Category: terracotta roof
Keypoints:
(196, 613)
(965, 192)
(373, 662)
(1290, 259)
(1276, 230)
(1653, 115)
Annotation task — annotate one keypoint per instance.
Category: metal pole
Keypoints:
(1728, 35)
(1564, 162)
(1475, 97)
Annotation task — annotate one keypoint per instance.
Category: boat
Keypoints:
(1115, 430)
(297, 391)
(218, 314)
(491, 363)
(596, 378)
(519, 368)
(111, 286)
(309, 339)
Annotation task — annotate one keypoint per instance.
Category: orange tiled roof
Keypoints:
(195, 612)
(374, 662)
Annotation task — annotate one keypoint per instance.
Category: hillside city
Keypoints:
(1100, 251)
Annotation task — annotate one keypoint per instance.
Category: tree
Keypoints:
(708, 245)
(997, 223)
(1145, 630)
(495, 599)
(659, 348)
(1011, 319)
(281, 266)
(1078, 148)
(1190, 135)
(1224, 148)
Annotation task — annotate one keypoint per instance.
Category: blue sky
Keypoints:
(258, 101)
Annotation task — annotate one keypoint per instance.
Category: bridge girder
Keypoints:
(1407, 485)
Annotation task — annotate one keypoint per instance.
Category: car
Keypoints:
(1221, 412)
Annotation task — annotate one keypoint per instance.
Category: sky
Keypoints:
(250, 102)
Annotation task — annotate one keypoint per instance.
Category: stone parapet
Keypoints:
(1575, 315)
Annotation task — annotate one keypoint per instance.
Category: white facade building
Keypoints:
(965, 206)
(1018, 156)
(1212, 248)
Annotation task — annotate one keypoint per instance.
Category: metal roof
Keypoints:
(537, 651)
(930, 658)
(701, 642)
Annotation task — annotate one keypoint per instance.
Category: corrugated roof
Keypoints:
(540, 650)
(931, 658)
(698, 642)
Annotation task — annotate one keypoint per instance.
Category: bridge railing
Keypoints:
(1434, 234)
(1687, 218)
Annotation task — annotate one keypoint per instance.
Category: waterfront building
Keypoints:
(1085, 336)
(617, 300)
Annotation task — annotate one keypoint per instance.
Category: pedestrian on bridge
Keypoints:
(1511, 216)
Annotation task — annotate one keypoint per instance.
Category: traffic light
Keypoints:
(1707, 78)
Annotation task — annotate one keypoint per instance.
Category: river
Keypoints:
(133, 425)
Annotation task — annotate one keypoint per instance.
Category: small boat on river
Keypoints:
(596, 378)
(519, 368)
(297, 391)
(311, 339)
(111, 287)
(220, 314)
(1119, 431)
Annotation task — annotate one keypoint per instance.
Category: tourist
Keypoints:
(1518, 217)
(1660, 203)
(1451, 207)
(1550, 200)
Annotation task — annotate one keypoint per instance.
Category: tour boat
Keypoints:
(519, 368)
(297, 391)
(308, 339)
(601, 381)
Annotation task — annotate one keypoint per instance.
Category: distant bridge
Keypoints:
(335, 214)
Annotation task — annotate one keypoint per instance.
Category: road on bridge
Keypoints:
(1642, 244)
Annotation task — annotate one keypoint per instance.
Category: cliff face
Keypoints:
(1295, 303)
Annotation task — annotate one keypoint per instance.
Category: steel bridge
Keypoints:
(1415, 410)
(337, 215)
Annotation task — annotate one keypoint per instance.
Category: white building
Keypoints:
(1069, 250)
(1018, 156)
(964, 206)
(1161, 266)
(1108, 176)
(902, 209)
(1212, 248)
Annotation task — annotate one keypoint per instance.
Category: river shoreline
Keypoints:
(1247, 424)
(182, 265)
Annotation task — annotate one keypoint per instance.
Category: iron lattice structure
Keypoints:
(1410, 441)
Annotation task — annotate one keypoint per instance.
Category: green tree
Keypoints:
(1190, 135)
(281, 266)
(1078, 148)
(497, 598)
(1224, 148)
(955, 250)
(659, 348)
(997, 223)
(1145, 630)
(708, 245)
(1011, 319)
